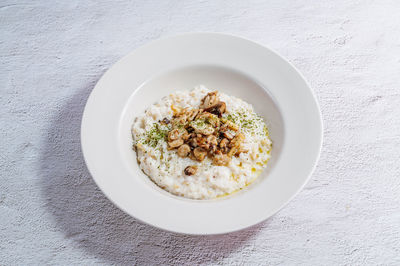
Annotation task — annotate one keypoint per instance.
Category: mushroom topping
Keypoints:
(173, 134)
(190, 170)
(201, 132)
(209, 119)
(212, 149)
(190, 115)
(193, 142)
(212, 140)
(185, 135)
(211, 99)
(202, 142)
(175, 143)
(235, 144)
(224, 145)
(201, 127)
(206, 142)
(178, 122)
(217, 109)
(183, 150)
(228, 125)
(237, 140)
(199, 153)
(228, 135)
(185, 115)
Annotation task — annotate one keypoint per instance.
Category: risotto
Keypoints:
(201, 144)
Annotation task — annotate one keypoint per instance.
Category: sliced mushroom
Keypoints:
(212, 149)
(209, 118)
(217, 109)
(199, 153)
(175, 143)
(183, 150)
(191, 156)
(190, 170)
(206, 142)
(178, 122)
(202, 142)
(212, 140)
(185, 135)
(201, 127)
(174, 134)
(193, 142)
(209, 100)
(191, 115)
(228, 134)
(235, 144)
(224, 145)
(237, 140)
(228, 125)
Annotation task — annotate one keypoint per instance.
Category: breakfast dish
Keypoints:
(201, 144)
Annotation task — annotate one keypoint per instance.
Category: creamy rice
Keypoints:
(166, 168)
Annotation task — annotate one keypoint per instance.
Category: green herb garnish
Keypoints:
(156, 134)
(248, 121)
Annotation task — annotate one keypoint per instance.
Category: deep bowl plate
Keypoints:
(230, 64)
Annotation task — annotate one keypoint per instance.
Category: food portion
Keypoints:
(201, 144)
(202, 132)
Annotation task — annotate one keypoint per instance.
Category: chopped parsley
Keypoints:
(248, 121)
(156, 134)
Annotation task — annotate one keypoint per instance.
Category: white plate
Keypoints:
(232, 65)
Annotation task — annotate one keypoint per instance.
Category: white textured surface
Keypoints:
(53, 52)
